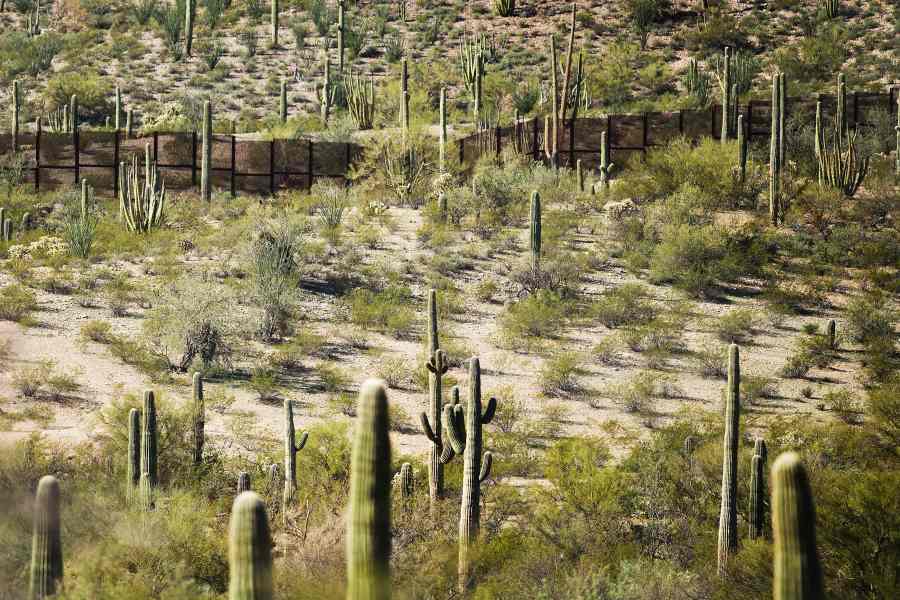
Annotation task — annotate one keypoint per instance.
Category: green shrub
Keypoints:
(559, 374)
(387, 311)
(713, 362)
(736, 326)
(636, 395)
(29, 380)
(96, 331)
(756, 387)
(539, 315)
(869, 317)
(622, 306)
(94, 97)
(17, 303)
(691, 258)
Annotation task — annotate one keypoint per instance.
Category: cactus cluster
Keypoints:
(841, 164)
(728, 537)
(369, 522)
(141, 200)
(360, 100)
(463, 427)
(58, 120)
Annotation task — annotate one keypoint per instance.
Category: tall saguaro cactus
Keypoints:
(198, 416)
(340, 36)
(441, 453)
(774, 152)
(742, 148)
(149, 472)
(726, 96)
(782, 101)
(291, 446)
(46, 544)
(534, 240)
(798, 575)
(16, 109)
(206, 153)
(464, 430)
(553, 146)
(605, 166)
(274, 24)
(442, 148)
(249, 550)
(897, 129)
(728, 538)
(118, 108)
(190, 10)
(757, 494)
(282, 104)
(133, 467)
(369, 524)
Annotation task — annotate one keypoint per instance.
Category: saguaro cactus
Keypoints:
(198, 414)
(274, 18)
(553, 146)
(897, 129)
(534, 239)
(605, 165)
(340, 36)
(742, 148)
(249, 550)
(133, 467)
(15, 114)
(442, 148)
(206, 152)
(190, 9)
(406, 481)
(148, 451)
(728, 538)
(243, 482)
(774, 153)
(832, 334)
(464, 430)
(726, 95)
(757, 494)
(441, 453)
(404, 97)
(782, 100)
(46, 544)
(291, 447)
(579, 176)
(369, 524)
(798, 575)
(327, 93)
(118, 108)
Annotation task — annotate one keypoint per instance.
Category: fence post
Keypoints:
(644, 132)
(712, 120)
(311, 169)
(156, 147)
(37, 158)
(681, 122)
(116, 165)
(749, 121)
(462, 151)
(272, 167)
(233, 167)
(572, 143)
(194, 159)
(855, 109)
(498, 133)
(535, 132)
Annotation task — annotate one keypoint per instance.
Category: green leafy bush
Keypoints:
(93, 92)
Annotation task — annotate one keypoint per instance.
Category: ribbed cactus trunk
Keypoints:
(579, 176)
(431, 422)
(249, 550)
(442, 148)
(554, 99)
(291, 447)
(243, 482)
(464, 429)
(728, 537)
(782, 101)
(897, 149)
(742, 148)
(369, 523)
(841, 108)
(73, 112)
(757, 497)
(190, 11)
(198, 416)
(404, 98)
(129, 123)
(282, 104)
(798, 575)
(774, 171)
(726, 96)
(605, 165)
(340, 37)
(274, 24)
(16, 109)
(133, 467)
(206, 153)
(149, 471)
(46, 544)
(832, 334)
(534, 239)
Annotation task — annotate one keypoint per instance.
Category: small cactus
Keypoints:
(463, 426)
(757, 493)
(728, 539)
(249, 550)
(832, 334)
(283, 106)
(369, 523)
(198, 417)
(406, 481)
(243, 482)
(291, 446)
(798, 575)
(133, 468)
(46, 545)
(605, 166)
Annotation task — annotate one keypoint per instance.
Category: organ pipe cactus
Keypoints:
(463, 427)
(798, 575)
(141, 201)
(471, 61)
(505, 8)
(243, 482)
(369, 523)
(292, 445)
(133, 467)
(360, 100)
(149, 470)
(249, 550)
(534, 237)
(46, 544)
(206, 152)
(198, 417)
(841, 164)
(728, 539)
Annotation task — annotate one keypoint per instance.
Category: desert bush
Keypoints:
(736, 326)
(387, 310)
(17, 303)
(29, 380)
(264, 383)
(869, 317)
(883, 406)
(559, 374)
(844, 403)
(622, 306)
(395, 371)
(607, 351)
(273, 260)
(94, 103)
(20, 54)
(636, 395)
(756, 387)
(96, 331)
(539, 315)
(713, 362)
